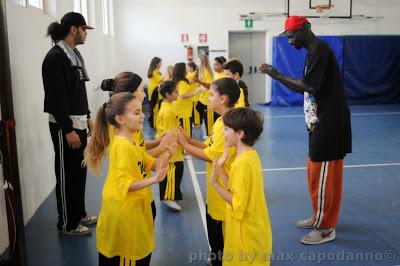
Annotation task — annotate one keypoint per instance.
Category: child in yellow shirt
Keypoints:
(205, 77)
(168, 73)
(155, 79)
(248, 235)
(234, 69)
(192, 76)
(223, 95)
(219, 71)
(167, 121)
(125, 228)
(184, 103)
(130, 82)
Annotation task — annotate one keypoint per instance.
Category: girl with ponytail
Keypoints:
(155, 79)
(125, 227)
(132, 83)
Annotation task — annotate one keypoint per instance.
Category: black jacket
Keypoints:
(64, 87)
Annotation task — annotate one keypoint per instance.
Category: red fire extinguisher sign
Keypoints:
(203, 37)
(184, 37)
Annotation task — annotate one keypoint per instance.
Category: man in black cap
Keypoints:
(64, 76)
(327, 118)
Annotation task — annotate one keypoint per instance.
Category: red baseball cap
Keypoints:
(294, 22)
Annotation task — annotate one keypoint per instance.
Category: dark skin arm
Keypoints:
(296, 85)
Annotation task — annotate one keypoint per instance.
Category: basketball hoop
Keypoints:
(323, 10)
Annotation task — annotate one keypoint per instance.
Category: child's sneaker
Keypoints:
(172, 204)
(306, 224)
(89, 220)
(78, 231)
(319, 236)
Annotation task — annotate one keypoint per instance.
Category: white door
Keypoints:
(258, 87)
(249, 48)
(240, 47)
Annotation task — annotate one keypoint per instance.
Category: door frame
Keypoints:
(267, 81)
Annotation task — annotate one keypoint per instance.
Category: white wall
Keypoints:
(27, 28)
(148, 28)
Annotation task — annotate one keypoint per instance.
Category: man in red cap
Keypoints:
(327, 118)
(64, 75)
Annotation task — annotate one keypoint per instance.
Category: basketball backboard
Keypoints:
(320, 8)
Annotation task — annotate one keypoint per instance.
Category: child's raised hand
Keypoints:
(221, 161)
(171, 147)
(214, 172)
(200, 89)
(182, 136)
(168, 138)
(161, 169)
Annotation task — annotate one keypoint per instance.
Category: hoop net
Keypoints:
(323, 10)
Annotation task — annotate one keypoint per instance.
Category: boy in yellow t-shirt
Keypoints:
(246, 212)
(167, 120)
(223, 95)
(234, 69)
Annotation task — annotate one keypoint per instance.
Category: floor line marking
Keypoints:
(304, 168)
(199, 196)
(354, 114)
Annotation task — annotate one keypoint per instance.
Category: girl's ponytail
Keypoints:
(100, 139)
(98, 143)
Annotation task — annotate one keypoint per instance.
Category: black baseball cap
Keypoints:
(75, 19)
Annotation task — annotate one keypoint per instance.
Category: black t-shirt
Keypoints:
(330, 137)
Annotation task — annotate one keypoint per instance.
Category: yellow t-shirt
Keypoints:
(125, 225)
(154, 82)
(167, 120)
(138, 139)
(182, 106)
(247, 224)
(194, 85)
(219, 75)
(240, 102)
(216, 205)
(207, 77)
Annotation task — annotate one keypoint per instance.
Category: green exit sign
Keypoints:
(248, 23)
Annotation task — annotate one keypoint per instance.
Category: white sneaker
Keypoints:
(306, 224)
(319, 236)
(172, 204)
(89, 220)
(78, 231)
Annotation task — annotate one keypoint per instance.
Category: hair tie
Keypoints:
(107, 85)
(134, 83)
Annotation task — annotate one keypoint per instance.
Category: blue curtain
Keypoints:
(370, 67)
